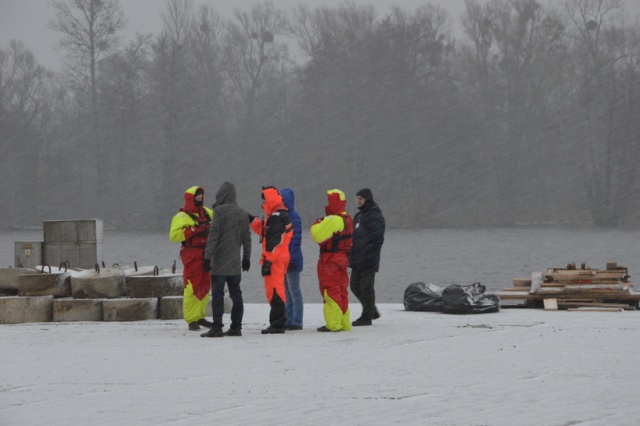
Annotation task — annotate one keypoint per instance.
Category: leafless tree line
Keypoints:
(521, 112)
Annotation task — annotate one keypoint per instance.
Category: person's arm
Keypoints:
(214, 235)
(276, 227)
(256, 224)
(375, 227)
(179, 224)
(246, 246)
(325, 227)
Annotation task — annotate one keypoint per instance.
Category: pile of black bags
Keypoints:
(454, 299)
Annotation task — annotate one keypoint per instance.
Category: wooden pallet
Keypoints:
(572, 288)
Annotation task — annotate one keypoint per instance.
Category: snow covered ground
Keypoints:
(515, 367)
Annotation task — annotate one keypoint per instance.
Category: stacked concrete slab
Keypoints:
(111, 294)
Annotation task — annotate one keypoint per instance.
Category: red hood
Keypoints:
(189, 200)
(336, 205)
(272, 200)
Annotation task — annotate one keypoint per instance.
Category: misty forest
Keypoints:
(517, 112)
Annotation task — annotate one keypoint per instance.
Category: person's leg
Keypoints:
(355, 283)
(295, 304)
(235, 293)
(367, 299)
(274, 291)
(343, 283)
(217, 299)
(329, 276)
(277, 314)
(368, 296)
(289, 304)
(190, 307)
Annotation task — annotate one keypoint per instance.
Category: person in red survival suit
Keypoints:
(333, 233)
(275, 234)
(190, 226)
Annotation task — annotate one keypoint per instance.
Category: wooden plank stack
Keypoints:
(574, 288)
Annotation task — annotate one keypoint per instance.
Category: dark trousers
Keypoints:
(278, 312)
(362, 287)
(217, 299)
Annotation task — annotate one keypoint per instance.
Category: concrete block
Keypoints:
(76, 241)
(66, 310)
(45, 284)
(16, 310)
(109, 285)
(153, 286)
(129, 309)
(170, 307)
(9, 279)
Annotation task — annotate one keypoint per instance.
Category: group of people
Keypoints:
(216, 248)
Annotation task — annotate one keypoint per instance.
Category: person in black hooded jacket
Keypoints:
(364, 258)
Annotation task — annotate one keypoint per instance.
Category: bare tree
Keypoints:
(89, 32)
(512, 63)
(23, 109)
(604, 92)
(172, 100)
(250, 47)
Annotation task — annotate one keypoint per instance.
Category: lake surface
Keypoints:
(491, 256)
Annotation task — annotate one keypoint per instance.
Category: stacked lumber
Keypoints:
(574, 288)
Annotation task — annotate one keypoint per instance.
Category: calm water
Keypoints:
(441, 256)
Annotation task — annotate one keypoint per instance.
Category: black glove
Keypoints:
(266, 268)
(292, 266)
(207, 265)
(245, 264)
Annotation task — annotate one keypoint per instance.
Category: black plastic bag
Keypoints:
(468, 299)
(423, 297)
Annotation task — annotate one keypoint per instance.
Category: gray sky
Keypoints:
(26, 20)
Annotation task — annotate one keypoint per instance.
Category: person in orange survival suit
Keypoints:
(333, 234)
(275, 234)
(190, 226)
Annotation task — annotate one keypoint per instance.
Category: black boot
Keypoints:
(233, 332)
(193, 326)
(213, 332)
(361, 321)
(203, 322)
(272, 330)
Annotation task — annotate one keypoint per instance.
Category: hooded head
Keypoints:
(366, 194)
(272, 199)
(337, 202)
(190, 202)
(288, 198)
(226, 194)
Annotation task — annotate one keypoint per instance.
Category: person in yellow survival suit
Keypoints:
(275, 234)
(333, 233)
(190, 226)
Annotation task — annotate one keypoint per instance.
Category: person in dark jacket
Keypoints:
(294, 304)
(228, 237)
(364, 258)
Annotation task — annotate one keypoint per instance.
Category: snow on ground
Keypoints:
(515, 367)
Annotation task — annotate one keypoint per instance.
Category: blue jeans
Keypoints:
(217, 299)
(294, 305)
